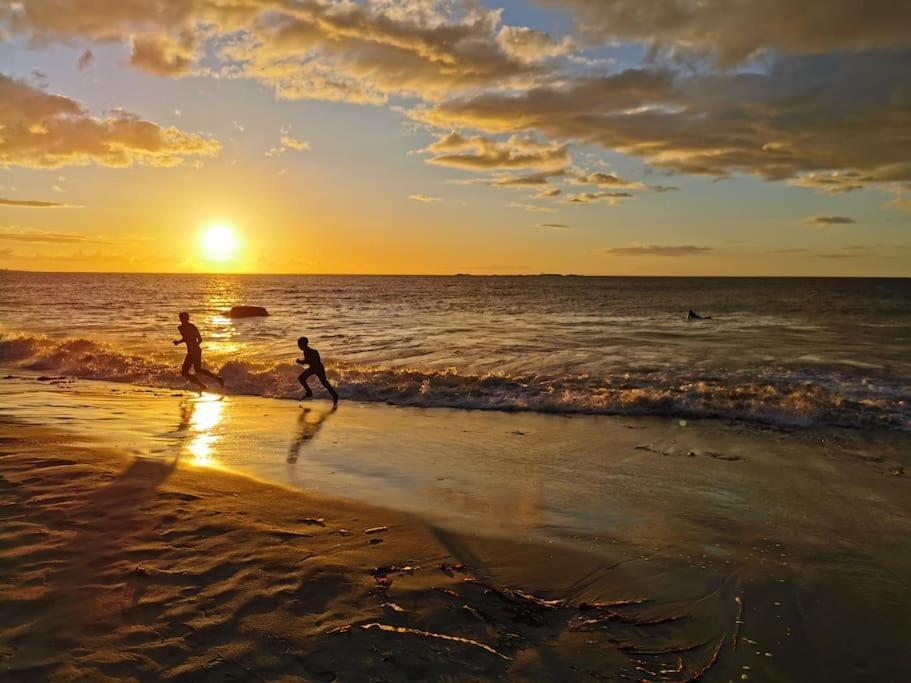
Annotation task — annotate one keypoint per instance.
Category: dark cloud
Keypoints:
(30, 203)
(835, 123)
(162, 55)
(826, 221)
(611, 198)
(86, 59)
(601, 179)
(735, 31)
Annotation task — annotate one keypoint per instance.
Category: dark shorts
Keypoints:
(193, 360)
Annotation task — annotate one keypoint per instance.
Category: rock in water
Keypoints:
(247, 312)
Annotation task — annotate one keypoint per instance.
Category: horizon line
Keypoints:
(449, 275)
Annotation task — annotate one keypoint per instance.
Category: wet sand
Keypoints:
(701, 551)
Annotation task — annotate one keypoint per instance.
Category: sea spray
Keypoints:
(774, 396)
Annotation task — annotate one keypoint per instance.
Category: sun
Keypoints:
(219, 242)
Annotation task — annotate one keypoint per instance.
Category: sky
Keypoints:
(619, 137)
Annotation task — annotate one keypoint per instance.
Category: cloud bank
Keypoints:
(41, 130)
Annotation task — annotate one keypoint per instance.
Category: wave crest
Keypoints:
(776, 396)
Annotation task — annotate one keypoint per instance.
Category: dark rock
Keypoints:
(247, 312)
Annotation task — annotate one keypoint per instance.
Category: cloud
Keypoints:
(307, 49)
(834, 182)
(424, 198)
(539, 181)
(484, 154)
(295, 144)
(30, 204)
(555, 226)
(601, 179)
(735, 33)
(611, 198)
(162, 55)
(16, 234)
(41, 130)
(657, 250)
(826, 221)
(86, 59)
(530, 45)
(531, 208)
(833, 122)
(827, 107)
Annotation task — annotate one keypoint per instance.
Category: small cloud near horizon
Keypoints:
(532, 208)
(32, 204)
(295, 144)
(657, 250)
(826, 221)
(555, 226)
(426, 199)
(17, 234)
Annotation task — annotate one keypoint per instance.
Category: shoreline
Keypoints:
(131, 566)
(785, 553)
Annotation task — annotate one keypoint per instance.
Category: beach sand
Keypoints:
(144, 566)
(137, 568)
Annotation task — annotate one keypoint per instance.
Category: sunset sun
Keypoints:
(219, 242)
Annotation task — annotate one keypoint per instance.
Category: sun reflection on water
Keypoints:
(201, 419)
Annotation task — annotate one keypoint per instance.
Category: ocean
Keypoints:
(791, 352)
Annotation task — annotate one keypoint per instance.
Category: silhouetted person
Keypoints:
(314, 367)
(692, 315)
(189, 335)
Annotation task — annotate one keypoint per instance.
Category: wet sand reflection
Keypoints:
(309, 422)
(199, 421)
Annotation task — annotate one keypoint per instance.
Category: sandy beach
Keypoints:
(134, 568)
(161, 556)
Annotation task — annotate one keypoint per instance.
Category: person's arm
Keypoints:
(182, 340)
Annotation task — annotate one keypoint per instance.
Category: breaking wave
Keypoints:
(773, 395)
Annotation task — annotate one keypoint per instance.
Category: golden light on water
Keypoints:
(205, 415)
(219, 242)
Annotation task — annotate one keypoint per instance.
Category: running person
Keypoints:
(314, 367)
(189, 335)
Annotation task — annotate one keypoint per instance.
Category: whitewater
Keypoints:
(793, 352)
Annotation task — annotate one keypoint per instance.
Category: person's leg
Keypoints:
(302, 378)
(202, 371)
(188, 362)
(322, 378)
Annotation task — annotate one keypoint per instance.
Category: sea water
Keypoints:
(792, 351)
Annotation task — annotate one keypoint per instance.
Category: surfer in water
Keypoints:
(314, 367)
(189, 335)
(692, 315)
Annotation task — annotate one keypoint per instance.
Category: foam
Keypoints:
(775, 396)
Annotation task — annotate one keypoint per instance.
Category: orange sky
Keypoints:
(512, 137)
